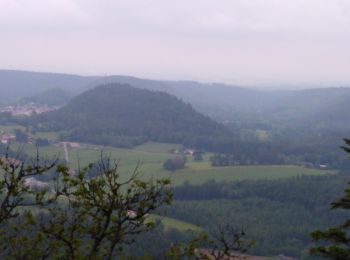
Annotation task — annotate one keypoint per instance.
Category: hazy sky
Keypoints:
(234, 41)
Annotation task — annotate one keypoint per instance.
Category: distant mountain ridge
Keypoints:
(236, 105)
(51, 97)
(15, 85)
(19, 84)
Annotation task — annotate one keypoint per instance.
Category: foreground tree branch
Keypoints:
(96, 216)
(227, 242)
(14, 191)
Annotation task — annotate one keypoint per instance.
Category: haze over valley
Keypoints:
(187, 130)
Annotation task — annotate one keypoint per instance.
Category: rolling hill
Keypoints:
(121, 115)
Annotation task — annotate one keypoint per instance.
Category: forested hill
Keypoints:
(121, 115)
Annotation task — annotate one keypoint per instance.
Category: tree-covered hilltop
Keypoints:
(121, 115)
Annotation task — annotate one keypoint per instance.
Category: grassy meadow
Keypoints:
(150, 157)
(170, 223)
(11, 128)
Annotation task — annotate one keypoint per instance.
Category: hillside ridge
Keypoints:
(121, 115)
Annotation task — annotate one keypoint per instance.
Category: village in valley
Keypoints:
(22, 110)
(27, 109)
(6, 138)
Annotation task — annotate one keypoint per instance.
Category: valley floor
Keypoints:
(151, 156)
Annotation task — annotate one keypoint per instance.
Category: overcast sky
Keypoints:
(249, 42)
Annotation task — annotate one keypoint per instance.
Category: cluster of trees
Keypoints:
(21, 136)
(175, 163)
(42, 142)
(243, 158)
(198, 156)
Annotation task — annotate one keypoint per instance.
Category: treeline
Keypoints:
(276, 152)
(308, 191)
(175, 163)
(245, 159)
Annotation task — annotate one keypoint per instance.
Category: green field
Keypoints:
(151, 147)
(150, 158)
(44, 151)
(149, 153)
(11, 128)
(170, 223)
